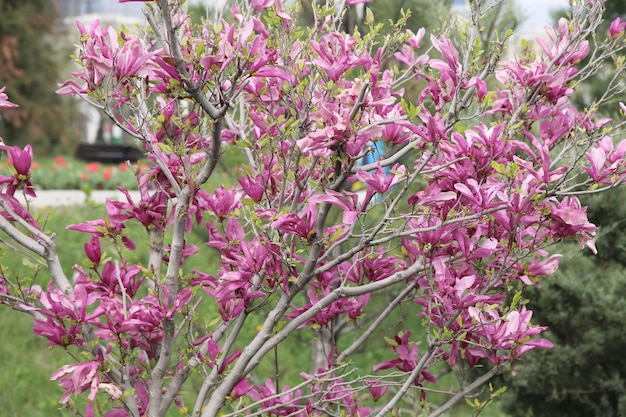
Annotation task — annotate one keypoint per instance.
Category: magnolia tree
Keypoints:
(467, 176)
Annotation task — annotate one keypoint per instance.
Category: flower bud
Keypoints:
(92, 250)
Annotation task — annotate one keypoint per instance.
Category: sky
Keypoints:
(538, 12)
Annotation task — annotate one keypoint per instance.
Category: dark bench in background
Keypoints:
(100, 152)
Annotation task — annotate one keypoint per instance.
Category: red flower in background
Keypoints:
(107, 173)
(92, 167)
(60, 161)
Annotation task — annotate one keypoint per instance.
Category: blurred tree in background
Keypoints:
(584, 306)
(615, 8)
(29, 67)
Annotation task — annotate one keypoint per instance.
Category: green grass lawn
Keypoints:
(25, 366)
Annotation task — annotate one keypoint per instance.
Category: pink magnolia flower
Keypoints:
(284, 16)
(242, 261)
(559, 45)
(617, 27)
(415, 39)
(450, 67)
(61, 307)
(101, 228)
(570, 219)
(222, 202)
(4, 100)
(92, 250)
(4, 289)
(346, 201)
(222, 57)
(597, 159)
(253, 187)
(481, 87)
(16, 206)
(379, 181)
(338, 53)
(57, 332)
(407, 57)
(71, 87)
(538, 268)
(241, 388)
(101, 56)
(151, 210)
(479, 195)
(98, 51)
(114, 276)
(132, 59)
(285, 403)
(258, 5)
(605, 160)
(77, 378)
(407, 358)
(333, 126)
(21, 159)
(377, 389)
(511, 332)
(20, 162)
(371, 266)
(301, 225)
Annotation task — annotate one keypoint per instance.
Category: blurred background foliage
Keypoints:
(30, 65)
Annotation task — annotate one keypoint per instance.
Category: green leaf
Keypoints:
(515, 301)
(498, 167)
(129, 393)
(390, 342)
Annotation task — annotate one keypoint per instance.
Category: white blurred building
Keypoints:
(72, 8)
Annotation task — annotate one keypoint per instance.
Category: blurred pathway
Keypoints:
(56, 198)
